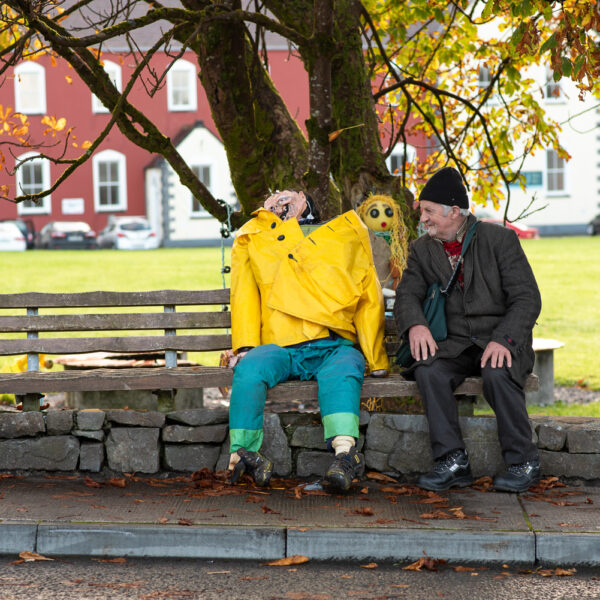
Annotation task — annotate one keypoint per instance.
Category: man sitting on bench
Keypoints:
(302, 298)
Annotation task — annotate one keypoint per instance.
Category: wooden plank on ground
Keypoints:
(102, 298)
(113, 322)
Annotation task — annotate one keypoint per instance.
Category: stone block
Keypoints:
(296, 419)
(275, 445)
(134, 399)
(52, 453)
(364, 418)
(551, 436)
(309, 436)
(21, 424)
(480, 435)
(377, 460)
(200, 416)
(186, 399)
(380, 437)
(313, 463)
(91, 456)
(191, 457)
(134, 418)
(411, 453)
(584, 439)
(133, 449)
(209, 434)
(565, 464)
(59, 422)
(90, 419)
(409, 423)
(89, 435)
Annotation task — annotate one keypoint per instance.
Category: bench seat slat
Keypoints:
(198, 377)
(111, 322)
(190, 343)
(101, 298)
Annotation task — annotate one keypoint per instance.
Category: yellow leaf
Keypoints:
(69, 79)
(60, 124)
(87, 144)
(296, 559)
(32, 556)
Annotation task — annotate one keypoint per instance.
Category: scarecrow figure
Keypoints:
(304, 299)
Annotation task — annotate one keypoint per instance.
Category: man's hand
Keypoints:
(496, 353)
(421, 342)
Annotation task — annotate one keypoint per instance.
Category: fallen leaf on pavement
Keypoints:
(266, 510)
(91, 483)
(295, 559)
(558, 572)
(370, 566)
(117, 481)
(380, 477)
(120, 560)
(186, 522)
(461, 569)
(32, 556)
(162, 520)
(365, 511)
(430, 564)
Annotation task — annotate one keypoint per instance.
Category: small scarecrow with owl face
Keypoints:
(382, 215)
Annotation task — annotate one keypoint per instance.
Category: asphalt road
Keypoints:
(227, 580)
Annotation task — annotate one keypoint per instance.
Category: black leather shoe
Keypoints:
(518, 478)
(452, 470)
(259, 467)
(345, 467)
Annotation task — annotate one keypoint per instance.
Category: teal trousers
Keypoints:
(337, 367)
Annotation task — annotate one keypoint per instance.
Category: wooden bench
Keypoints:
(205, 331)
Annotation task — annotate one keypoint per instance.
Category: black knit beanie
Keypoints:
(446, 187)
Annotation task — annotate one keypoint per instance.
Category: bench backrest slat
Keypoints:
(185, 343)
(89, 299)
(114, 322)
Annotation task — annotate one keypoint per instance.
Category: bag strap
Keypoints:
(466, 241)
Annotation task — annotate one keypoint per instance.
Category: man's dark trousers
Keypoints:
(437, 382)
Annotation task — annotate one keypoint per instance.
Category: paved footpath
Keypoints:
(202, 516)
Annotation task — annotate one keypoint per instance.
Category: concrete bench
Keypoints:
(168, 329)
(544, 369)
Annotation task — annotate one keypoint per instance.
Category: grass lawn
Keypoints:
(568, 274)
(567, 270)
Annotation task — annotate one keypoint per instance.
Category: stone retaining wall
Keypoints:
(188, 440)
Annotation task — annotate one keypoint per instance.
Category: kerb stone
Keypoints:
(16, 425)
(208, 434)
(52, 453)
(133, 449)
(191, 457)
(565, 464)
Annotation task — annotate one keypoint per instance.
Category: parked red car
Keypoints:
(523, 231)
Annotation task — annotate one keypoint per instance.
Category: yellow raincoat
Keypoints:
(287, 288)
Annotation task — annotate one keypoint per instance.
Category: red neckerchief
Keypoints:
(453, 250)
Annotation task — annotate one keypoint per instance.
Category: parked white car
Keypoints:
(11, 238)
(128, 233)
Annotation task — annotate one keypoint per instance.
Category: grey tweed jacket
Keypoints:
(500, 302)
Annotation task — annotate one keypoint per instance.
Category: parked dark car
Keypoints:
(593, 227)
(66, 234)
(26, 228)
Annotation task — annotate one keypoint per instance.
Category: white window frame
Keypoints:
(550, 85)
(484, 79)
(110, 156)
(113, 70)
(189, 70)
(398, 152)
(30, 68)
(197, 168)
(45, 205)
(561, 167)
